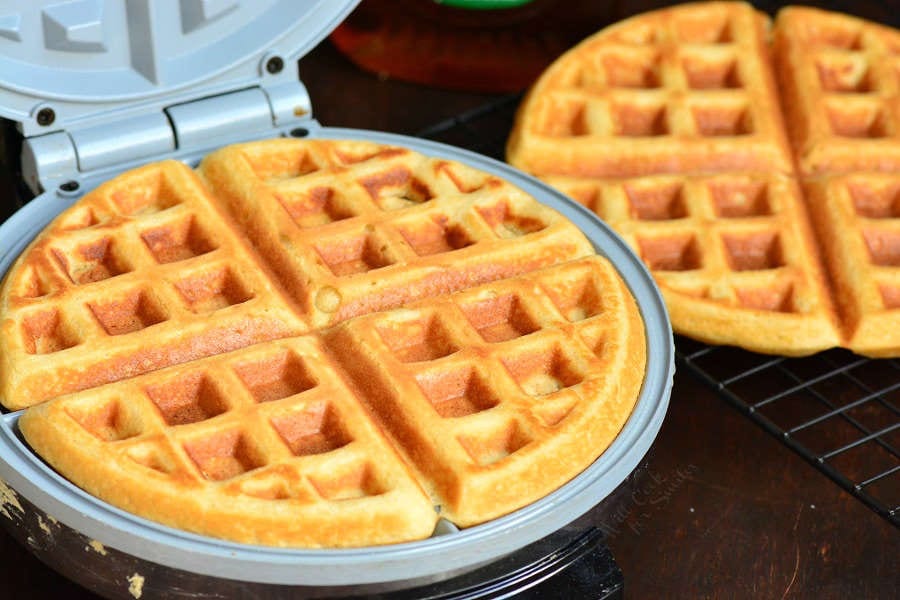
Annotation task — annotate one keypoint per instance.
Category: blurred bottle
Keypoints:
(472, 45)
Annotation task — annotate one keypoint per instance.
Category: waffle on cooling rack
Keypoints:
(840, 80)
(733, 254)
(679, 90)
(668, 125)
(314, 343)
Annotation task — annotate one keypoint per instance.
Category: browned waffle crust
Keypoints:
(669, 126)
(317, 343)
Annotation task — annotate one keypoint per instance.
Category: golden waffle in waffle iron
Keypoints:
(404, 332)
(265, 445)
(481, 388)
(145, 256)
(724, 221)
(373, 227)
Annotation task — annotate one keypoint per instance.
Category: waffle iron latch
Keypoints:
(53, 159)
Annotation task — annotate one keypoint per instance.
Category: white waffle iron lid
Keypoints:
(73, 63)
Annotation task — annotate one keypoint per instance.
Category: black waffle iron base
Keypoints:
(573, 562)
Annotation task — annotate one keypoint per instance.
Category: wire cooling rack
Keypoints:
(835, 409)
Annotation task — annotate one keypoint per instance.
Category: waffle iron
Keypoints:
(96, 88)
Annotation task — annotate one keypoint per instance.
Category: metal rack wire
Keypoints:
(838, 411)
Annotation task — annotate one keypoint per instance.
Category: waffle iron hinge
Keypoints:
(53, 159)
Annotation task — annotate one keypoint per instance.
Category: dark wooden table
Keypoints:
(723, 511)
